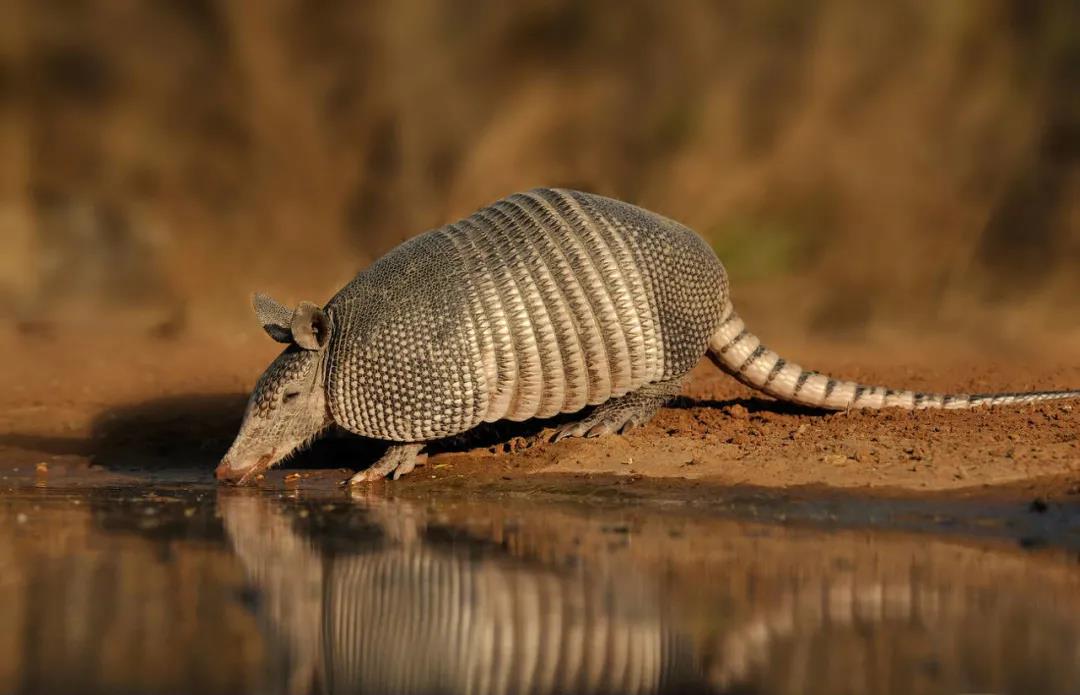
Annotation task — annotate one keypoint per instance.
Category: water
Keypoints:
(196, 589)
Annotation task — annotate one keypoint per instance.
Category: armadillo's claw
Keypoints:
(408, 465)
(398, 460)
(574, 429)
(597, 424)
(604, 427)
(621, 414)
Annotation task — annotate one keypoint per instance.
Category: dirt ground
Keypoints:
(85, 408)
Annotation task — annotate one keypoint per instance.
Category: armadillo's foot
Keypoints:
(621, 414)
(398, 460)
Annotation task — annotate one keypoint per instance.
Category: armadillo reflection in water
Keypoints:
(399, 616)
(486, 597)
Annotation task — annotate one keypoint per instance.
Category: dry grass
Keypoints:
(910, 163)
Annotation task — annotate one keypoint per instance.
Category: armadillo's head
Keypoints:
(288, 407)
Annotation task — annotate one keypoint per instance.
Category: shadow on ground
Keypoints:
(192, 432)
(178, 432)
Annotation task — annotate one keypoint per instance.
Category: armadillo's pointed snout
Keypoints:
(229, 471)
(225, 472)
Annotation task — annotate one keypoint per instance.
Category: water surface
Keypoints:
(195, 589)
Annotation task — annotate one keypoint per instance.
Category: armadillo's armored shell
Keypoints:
(539, 304)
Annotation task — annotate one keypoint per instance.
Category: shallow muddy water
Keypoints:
(191, 588)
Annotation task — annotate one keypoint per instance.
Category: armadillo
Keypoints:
(543, 303)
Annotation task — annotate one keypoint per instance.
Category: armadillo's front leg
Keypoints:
(398, 460)
(623, 413)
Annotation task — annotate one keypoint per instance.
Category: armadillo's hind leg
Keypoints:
(623, 413)
(398, 460)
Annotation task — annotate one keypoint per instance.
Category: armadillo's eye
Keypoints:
(289, 395)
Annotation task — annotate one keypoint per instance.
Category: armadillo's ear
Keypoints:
(275, 319)
(310, 327)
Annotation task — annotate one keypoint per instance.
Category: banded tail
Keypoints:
(741, 354)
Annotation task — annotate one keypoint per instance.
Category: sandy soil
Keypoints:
(108, 408)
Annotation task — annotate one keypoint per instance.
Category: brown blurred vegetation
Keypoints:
(908, 162)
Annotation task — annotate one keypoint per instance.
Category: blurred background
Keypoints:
(857, 166)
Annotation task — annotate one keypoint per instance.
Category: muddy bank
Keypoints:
(157, 409)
